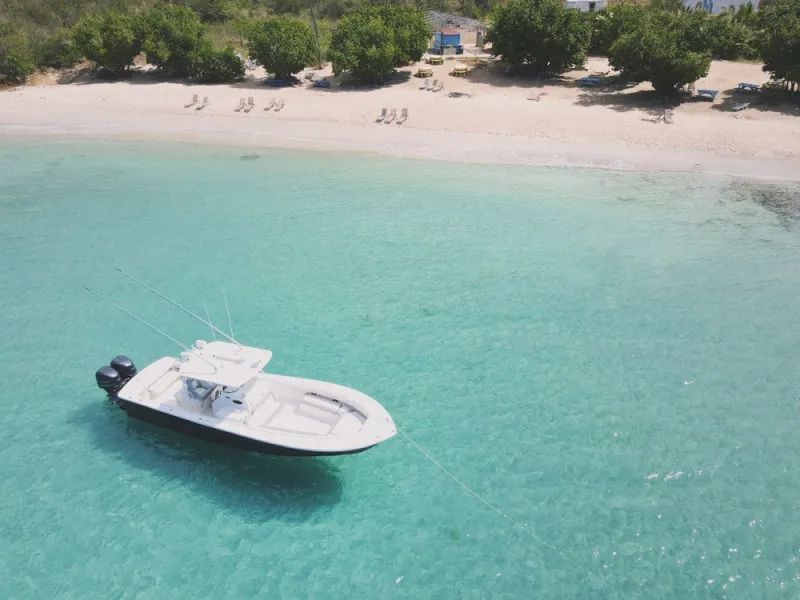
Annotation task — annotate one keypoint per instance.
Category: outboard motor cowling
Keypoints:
(124, 366)
(108, 379)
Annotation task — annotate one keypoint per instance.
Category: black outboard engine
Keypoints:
(112, 378)
(108, 379)
(124, 366)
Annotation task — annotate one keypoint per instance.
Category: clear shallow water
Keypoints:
(610, 358)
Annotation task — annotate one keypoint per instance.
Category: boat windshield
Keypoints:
(198, 389)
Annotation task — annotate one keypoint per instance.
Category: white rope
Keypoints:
(485, 502)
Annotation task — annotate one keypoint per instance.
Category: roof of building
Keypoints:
(450, 32)
(439, 21)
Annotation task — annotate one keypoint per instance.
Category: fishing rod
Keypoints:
(152, 327)
(182, 307)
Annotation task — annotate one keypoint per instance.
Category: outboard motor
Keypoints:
(108, 379)
(112, 378)
(124, 366)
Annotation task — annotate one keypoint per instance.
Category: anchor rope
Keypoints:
(483, 501)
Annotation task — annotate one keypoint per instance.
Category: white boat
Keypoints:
(219, 391)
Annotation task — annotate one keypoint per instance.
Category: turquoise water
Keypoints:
(609, 358)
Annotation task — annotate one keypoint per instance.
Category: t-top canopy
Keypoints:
(223, 363)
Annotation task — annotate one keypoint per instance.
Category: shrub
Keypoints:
(172, 36)
(57, 50)
(110, 39)
(541, 34)
(217, 66)
(212, 11)
(16, 62)
(283, 45)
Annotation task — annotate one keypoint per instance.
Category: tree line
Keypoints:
(369, 43)
(661, 42)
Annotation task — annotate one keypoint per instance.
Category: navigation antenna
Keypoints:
(146, 324)
(183, 308)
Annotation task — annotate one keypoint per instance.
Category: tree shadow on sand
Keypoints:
(647, 101)
(499, 75)
(782, 103)
(253, 485)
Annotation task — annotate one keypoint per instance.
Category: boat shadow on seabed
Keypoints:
(257, 486)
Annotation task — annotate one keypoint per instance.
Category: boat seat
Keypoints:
(160, 385)
(265, 412)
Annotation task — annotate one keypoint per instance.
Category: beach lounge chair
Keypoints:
(427, 86)
(748, 87)
(270, 105)
(279, 105)
(707, 94)
(250, 104)
(192, 103)
(322, 83)
(382, 116)
(591, 81)
(279, 82)
(668, 116)
(240, 106)
(740, 106)
(438, 86)
(391, 117)
(204, 103)
(403, 116)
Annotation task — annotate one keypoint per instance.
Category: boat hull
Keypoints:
(210, 434)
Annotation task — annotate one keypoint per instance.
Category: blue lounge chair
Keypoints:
(591, 81)
(279, 82)
(748, 87)
(707, 94)
(322, 83)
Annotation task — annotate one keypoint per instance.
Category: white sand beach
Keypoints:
(501, 119)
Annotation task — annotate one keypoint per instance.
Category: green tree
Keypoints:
(780, 48)
(732, 35)
(173, 35)
(364, 45)
(16, 62)
(608, 24)
(216, 66)
(109, 39)
(282, 45)
(412, 35)
(661, 48)
(540, 33)
(372, 41)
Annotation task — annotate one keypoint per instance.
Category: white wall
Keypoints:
(717, 6)
(584, 5)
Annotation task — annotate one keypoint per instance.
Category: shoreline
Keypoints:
(489, 119)
(501, 150)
